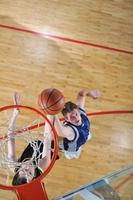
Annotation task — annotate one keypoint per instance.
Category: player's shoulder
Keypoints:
(82, 111)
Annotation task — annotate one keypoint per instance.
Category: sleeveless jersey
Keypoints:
(81, 133)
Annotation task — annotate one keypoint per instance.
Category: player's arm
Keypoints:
(86, 93)
(11, 139)
(46, 154)
(63, 131)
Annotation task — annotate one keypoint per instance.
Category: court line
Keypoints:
(56, 37)
(61, 119)
(107, 113)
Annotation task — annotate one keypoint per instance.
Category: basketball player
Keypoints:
(76, 128)
(31, 167)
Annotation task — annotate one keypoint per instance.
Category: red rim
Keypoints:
(38, 179)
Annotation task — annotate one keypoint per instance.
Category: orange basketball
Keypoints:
(51, 101)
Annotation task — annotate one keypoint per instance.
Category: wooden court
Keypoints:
(94, 49)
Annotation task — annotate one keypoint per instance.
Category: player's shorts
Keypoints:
(75, 154)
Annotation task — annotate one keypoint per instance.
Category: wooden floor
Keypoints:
(30, 63)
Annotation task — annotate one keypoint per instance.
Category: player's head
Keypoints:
(71, 113)
(25, 174)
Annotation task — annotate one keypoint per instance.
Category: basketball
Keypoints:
(51, 101)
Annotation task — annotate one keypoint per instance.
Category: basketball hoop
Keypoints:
(34, 189)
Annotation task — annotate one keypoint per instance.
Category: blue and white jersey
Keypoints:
(81, 133)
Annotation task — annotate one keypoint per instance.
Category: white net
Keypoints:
(27, 133)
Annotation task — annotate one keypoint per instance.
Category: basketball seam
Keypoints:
(50, 96)
(55, 102)
(45, 107)
(41, 102)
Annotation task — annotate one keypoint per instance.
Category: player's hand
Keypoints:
(94, 94)
(16, 101)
